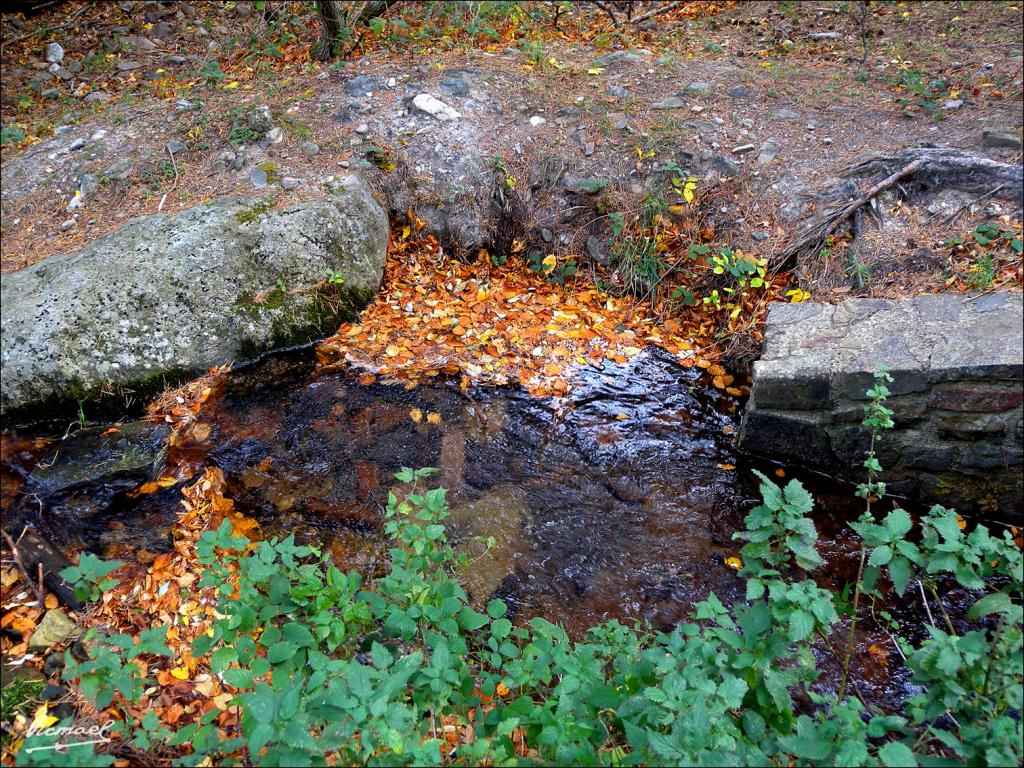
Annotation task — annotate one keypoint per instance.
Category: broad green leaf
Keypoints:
(880, 556)
(898, 523)
(469, 619)
(280, 652)
(239, 678)
(896, 754)
(997, 602)
(900, 573)
(801, 624)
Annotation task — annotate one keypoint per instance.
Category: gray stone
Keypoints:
(175, 147)
(260, 119)
(163, 30)
(76, 145)
(51, 93)
(793, 394)
(63, 73)
(792, 436)
(672, 102)
(537, 121)
(937, 308)
(546, 235)
(585, 186)
(738, 92)
(743, 149)
(83, 475)
(138, 41)
(275, 135)
(225, 159)
(186, 294)
(430, 105)
(290, 182)
(127, 66)
(824, 36)
(362, 128)
(760, 236)
(924, 455)
(119, 169)
(455, 86)
(956, 392)
(697, 89)
(362, 86)
(725, 166)
(597, 251)
(97, 97)
(310, 148)
(964, 426)
(990, 457)
(618, 91)
(851, 442)
(88, 184)
(1000, 139)
(622, 57)
(768, 151)
(990, 302)
(953, 104)
(787, 114)
(54, 629)
(54, 53)
(258, 178)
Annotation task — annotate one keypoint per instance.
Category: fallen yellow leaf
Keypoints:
(42, 719)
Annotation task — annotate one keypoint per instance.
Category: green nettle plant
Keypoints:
(329, 670)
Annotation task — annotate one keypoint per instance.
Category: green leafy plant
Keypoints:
(211, 72)
(925, 93)
(89, 577)
(325, 668)
(11, 134)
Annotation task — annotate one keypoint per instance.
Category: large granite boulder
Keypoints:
(166, 296)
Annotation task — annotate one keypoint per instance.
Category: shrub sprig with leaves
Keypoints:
(328, 670)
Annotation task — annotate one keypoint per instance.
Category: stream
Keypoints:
(618, 503)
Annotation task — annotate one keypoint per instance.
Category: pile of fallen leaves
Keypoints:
(509, 325)
(165, 593)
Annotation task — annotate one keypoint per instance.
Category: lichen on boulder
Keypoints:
(166, 296)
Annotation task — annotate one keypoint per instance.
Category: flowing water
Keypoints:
(619, 502)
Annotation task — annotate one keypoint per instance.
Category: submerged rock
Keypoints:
(134, 451)
(166, 296)
(86, 471)
(498, 514)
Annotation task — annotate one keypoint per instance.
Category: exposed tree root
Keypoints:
(927, 167)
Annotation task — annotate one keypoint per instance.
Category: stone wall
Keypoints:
(957, 364)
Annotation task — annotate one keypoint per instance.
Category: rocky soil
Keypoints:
(533, 141)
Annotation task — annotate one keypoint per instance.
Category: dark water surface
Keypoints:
(620, 502)
(612, 505)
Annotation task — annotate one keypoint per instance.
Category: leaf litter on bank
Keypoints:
(509, 325)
